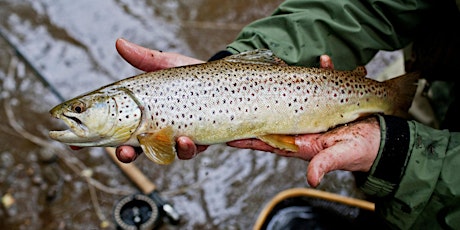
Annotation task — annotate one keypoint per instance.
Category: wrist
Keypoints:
(386, 172)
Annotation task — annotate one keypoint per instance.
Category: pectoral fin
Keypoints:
(159, 146)
(284, 142)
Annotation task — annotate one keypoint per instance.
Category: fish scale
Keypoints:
(248, 95)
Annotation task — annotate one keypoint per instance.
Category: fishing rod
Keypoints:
(137, 211)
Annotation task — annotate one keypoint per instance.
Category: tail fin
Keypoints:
(405, 87)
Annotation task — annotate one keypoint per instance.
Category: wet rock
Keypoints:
(9, 204)
(47, 155)
(8, 200)
(55, 181)
(6, 160)
(37, 180)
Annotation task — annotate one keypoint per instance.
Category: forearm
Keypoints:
(427, 180)
(350, 32)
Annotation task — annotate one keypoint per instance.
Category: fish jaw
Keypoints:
(76, 135)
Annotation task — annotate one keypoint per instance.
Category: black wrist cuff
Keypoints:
(219, 55)
(395, 151)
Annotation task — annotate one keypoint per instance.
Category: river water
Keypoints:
(45, 185)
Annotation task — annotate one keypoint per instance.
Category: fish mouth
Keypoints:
(76, 133)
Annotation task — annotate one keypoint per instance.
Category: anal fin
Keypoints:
(159, 147)
(284, 142)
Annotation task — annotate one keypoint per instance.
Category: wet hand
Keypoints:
(351, 147)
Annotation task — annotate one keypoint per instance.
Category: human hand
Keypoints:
(351, 147)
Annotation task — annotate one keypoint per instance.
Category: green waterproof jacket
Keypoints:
(416, 177)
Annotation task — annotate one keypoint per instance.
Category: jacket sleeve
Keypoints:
(420, 188)
(350, 32)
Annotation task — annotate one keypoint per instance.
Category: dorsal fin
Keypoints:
(258, 56)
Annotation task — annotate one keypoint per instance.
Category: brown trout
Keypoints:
(247, 95)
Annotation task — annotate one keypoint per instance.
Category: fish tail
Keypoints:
(405, 87)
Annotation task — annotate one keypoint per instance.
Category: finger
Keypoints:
(254, 144)
(309, 145)
(151, 60)
(326, 62)
(327, 160)
(186, 149)
(201, 148)
(317, 168)
(126, 154)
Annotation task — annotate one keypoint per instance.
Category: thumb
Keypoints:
(151, 60)
(324, 162)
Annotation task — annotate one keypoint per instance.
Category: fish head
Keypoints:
(98, 119)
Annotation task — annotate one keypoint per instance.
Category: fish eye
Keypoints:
(78, 107)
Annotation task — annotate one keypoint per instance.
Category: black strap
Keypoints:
(394, 155)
